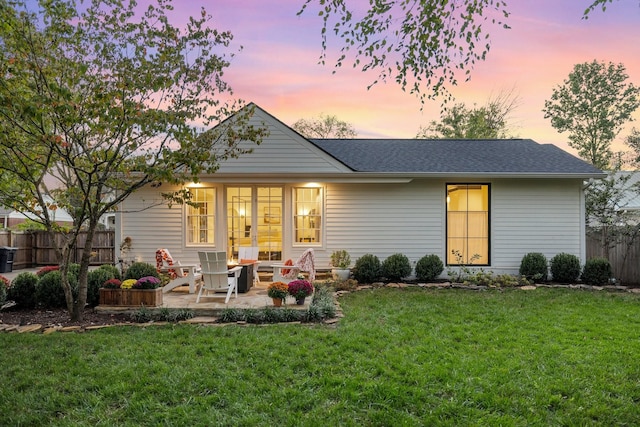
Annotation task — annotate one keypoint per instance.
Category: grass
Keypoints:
(399, 357)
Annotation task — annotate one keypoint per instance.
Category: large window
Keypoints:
(307, 216)
(201, 218)
(468, 224)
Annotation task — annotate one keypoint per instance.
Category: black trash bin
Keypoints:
(6, 259)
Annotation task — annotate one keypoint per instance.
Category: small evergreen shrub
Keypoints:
(367, 269)
(23, 290)
(4, 284)
(95, 280)
(138, 270)
(49, 291)
(112, 270)
(534, 266)
(597, 271)
(429, 267)
(565, 268)
(396, 267)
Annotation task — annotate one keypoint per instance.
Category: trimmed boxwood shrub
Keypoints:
(565, 268)
(534, 266)
(138, 270)
(95, 280)
(367, 269)
(396, 267)
(597, 271)
(429, 267)
(49, 292)
(23, 290)
(112, 270)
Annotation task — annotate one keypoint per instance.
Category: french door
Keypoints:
(254, 218)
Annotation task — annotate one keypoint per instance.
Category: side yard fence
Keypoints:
(624, 258)
(36, 248)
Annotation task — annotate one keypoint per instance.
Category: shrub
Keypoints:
(138, 270)
(4, 284)
(597, 271)
(113, 271)
(429, 267)
(95, 280)
(367, 269)
(23, 290)
(49, 291)
(534, 266)
(396, 267)
(340, 259)
(565, 268)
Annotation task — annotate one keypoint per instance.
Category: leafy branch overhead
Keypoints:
(425, 46)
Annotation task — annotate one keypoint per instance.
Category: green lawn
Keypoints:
(399, 357)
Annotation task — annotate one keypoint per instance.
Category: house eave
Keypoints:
(390, 177)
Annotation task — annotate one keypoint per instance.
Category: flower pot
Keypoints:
(300, 301)
(110, 296)
(277, 302)
(340, 274)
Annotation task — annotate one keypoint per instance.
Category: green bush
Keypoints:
(429, 267)
(112, 270)
(367, 269)
(597, 271)
(565, 268)
(49, 291)
(4, 284)
(534, 266)
(23, 290)
(95, 280)
(138, 270)
(396, 267)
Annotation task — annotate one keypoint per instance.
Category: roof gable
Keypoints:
(282, 151)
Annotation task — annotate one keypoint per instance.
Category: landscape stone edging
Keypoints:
(210, 321)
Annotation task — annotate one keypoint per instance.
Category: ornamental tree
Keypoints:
(592, 105)
(325, 127)
(100, 98)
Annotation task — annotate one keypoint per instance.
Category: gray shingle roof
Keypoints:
(509, 156)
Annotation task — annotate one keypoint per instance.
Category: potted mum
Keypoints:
(340, 261)
(278, 291)
(300, 289)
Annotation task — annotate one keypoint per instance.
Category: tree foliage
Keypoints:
(424, 45)
(490, 121)
(592, 105)
(325, 126)
(107, 97)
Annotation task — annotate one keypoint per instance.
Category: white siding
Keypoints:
(535, 216)
(526, 216)
(282, 151)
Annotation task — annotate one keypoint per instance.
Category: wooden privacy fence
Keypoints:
(624, 258)
(36, 248)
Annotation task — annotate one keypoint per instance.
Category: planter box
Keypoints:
(131, 297)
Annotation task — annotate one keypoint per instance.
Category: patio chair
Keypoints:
(216, 277)
(290, 270)
(180, 274)
(249, 255)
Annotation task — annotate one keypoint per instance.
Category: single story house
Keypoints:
(486, 202)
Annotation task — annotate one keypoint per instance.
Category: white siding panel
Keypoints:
(534, 216)
(384, 219)
(282, 151)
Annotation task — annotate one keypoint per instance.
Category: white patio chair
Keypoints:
(249, 255)
(180, 274)
(216, 277)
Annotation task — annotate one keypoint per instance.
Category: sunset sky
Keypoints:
(278, 66)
